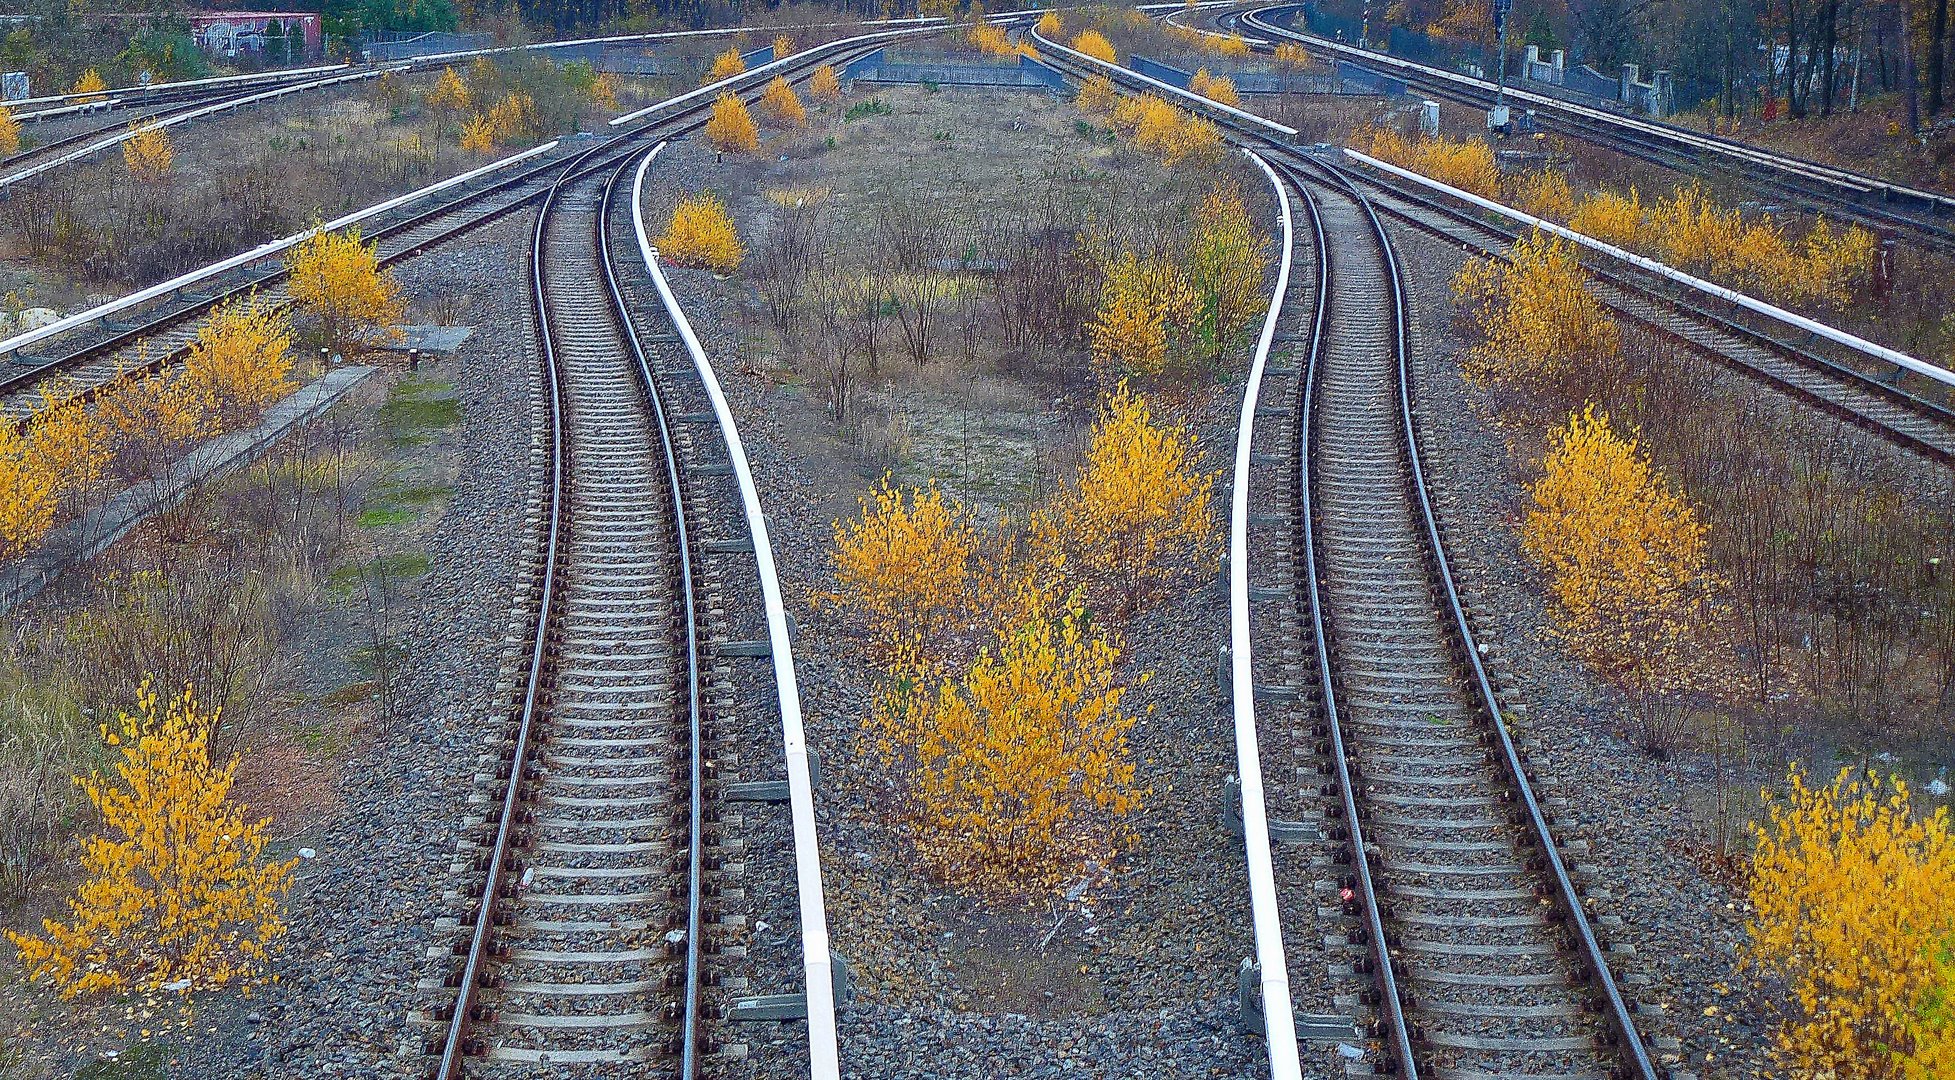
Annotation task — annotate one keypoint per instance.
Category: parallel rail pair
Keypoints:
(1482, 957)
(1927, 216)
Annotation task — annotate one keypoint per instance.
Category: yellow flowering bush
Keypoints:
(701, 234)
(1853, 910)
(178, 890)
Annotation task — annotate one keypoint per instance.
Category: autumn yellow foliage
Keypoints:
(904, 567)
(178, 891)
(9, 132)
(783, 46)
(1213, 87)
(782, 105)
(1146, 310)
(1610, 217)
(1467, 164)
(148, 153)
(1049, 24)
(1017, 772)
(1162, 129)
(990, 39)
(1625, 557)
(1227, 44)
(28, 494)
(1853, 911)
(1543, 193)
(152, 419)
(1094, 44)
(241, 359)
(1136, 517)
(824, 84)
(701, 234)
(89, 84)
(726, 65)
(1227, 257)
(449, 93)
(478, 135)
(1293, 56)
(337, 278)
(1535, 314)
(604, 91)
(731, 126)
(1097, 96)
(514, 118)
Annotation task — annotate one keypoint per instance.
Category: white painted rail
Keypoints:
(817, 965)
(1279, 1013)
(1173, 91)
(1854, 182)
(215, 82)
(14, 344)
(1814, 327)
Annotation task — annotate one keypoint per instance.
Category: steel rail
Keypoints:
(1843, 179)
(1396, 1034)
(1279, 1011)
(655, 402)
(686, 114)
(817, 963)
(1682, 305)
(455, 1047)
(1628, 1041)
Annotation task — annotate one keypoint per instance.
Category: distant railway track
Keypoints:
(1853, 383)
(100, 351)
(1926, 217)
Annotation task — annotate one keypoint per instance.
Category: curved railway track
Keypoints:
(1868, 393)
(587, 942)
(1927, 217)
(1483, 963)
(85, 360)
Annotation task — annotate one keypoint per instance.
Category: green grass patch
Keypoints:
(417, 406)
(423, 495)
(863, 109)
(383, 517)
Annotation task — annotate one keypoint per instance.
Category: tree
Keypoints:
(904, 567)
(701, 234)
(1214, 87)
(90, 85)
(824, 84)
(148, 153)
(1017, 772)
(1094, 44)
(1538, 322)
(241, 359)
(1146, 310)
(1853, 899)
(337, 279)
(1626, 559)
(449, 96)
(9, 132)
(185, 895)
(1137, 515)
(783, 46)
(478, 135)
(726, 65)
(731, 127)
(780, 104)
(1049, 25)
(1227, 257)
(28, 495)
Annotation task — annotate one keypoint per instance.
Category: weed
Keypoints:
(871, 107)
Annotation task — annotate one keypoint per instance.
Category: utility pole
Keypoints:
(1497, 116)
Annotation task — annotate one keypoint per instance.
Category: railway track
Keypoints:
(1462, 918)
(1869, 393)
(1926, 217)
(588, 941)
(1483, 962)
(104, 351)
